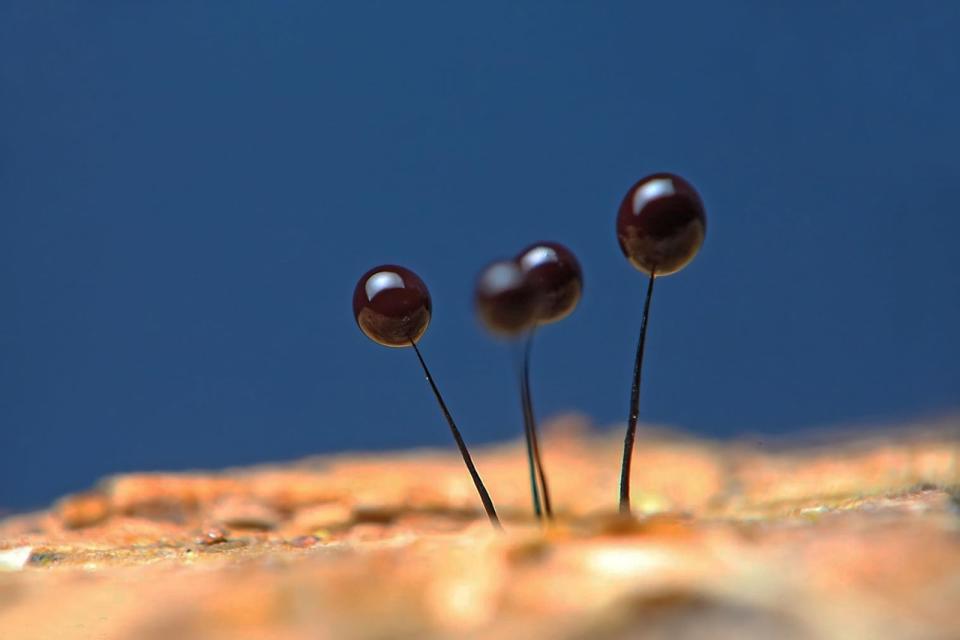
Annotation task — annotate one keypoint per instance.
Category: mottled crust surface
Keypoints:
(858, 537)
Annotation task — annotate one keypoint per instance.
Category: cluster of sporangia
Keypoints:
(661, 225)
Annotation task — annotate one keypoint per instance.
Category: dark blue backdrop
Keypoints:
(188, 192)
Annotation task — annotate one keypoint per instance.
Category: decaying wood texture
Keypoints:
(855, 537)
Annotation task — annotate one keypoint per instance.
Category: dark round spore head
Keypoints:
(661, 224)
(555, 273)
(392, 305)
(505, 300)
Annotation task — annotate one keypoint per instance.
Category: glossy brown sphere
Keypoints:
(661, 224)
(505, 299)
(555, 272)
(392, 305)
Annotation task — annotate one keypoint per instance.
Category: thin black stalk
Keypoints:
(467, 460)
(634, 405)
(529, 437)
(531, 427)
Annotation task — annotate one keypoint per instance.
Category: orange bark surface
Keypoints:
(858, 537)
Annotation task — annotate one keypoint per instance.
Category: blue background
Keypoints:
(188, 192)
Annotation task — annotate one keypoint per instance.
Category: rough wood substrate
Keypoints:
(857, 539)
